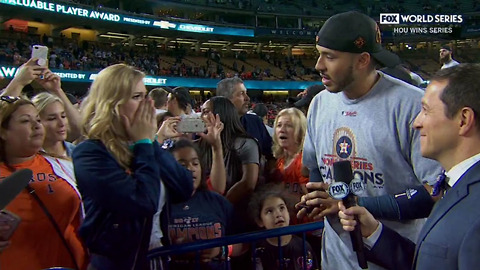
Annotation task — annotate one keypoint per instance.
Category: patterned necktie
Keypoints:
(441, 185)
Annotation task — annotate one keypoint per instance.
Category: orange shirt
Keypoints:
(35, 244)
(292, 176)
(292, 179)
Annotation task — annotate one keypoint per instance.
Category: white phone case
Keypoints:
(40, 52)
(191, 125)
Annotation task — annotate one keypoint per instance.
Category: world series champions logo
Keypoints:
(344, 143)
(344, 147)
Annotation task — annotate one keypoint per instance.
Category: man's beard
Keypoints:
(342, 83)
(347, 80)
(445, 59)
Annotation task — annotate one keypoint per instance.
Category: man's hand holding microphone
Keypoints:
(333, 199)
(368, 224)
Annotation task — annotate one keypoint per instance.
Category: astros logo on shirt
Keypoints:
(344, 146)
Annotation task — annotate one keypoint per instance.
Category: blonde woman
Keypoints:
(54, 118)
(289, 132)
(122, 172)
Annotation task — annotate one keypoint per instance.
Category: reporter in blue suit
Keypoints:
(449, 125)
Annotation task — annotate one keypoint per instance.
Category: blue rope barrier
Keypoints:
(233, 239)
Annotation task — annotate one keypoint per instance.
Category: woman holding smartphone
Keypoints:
(50, 208)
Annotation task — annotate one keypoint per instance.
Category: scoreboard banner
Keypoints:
(88, 77)
(105, 15)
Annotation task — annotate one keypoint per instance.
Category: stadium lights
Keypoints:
(244, 45)
(187, 39)
(282, 92)
(298, 50)
(219, 41)
(110, 36)
(248, 43)
(118, 34)
(216, 44)
(182, 42)
(156, 37)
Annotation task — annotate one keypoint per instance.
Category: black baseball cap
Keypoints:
(355, 32)
(447, 47)
(312, 90)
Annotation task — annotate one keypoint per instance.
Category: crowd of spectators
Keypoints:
(69, 54)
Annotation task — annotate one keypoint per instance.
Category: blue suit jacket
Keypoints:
(450, 239)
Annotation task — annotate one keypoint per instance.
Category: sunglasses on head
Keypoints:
(9, 99)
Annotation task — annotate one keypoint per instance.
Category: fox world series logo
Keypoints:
(415, 19)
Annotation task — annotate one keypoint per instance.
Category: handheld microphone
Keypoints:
(344, 189)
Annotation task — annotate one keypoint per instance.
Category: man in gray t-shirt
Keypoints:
(365, 117)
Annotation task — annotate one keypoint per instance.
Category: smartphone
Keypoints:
(191, 124)
(41, 53)
(10, 219)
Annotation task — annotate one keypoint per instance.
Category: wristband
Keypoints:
(138, 142)
(143, 141)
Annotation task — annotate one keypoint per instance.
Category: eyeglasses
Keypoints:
(9, 99)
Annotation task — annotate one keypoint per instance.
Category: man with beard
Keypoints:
(365, 117)
(446, 57)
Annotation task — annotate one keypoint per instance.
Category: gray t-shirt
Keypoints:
(246, 152)
(375, 132)
(450, 64)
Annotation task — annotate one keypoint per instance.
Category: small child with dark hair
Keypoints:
(206, 215)
(268, 207)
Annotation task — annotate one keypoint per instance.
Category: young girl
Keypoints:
(205, 215)
(269, 209)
